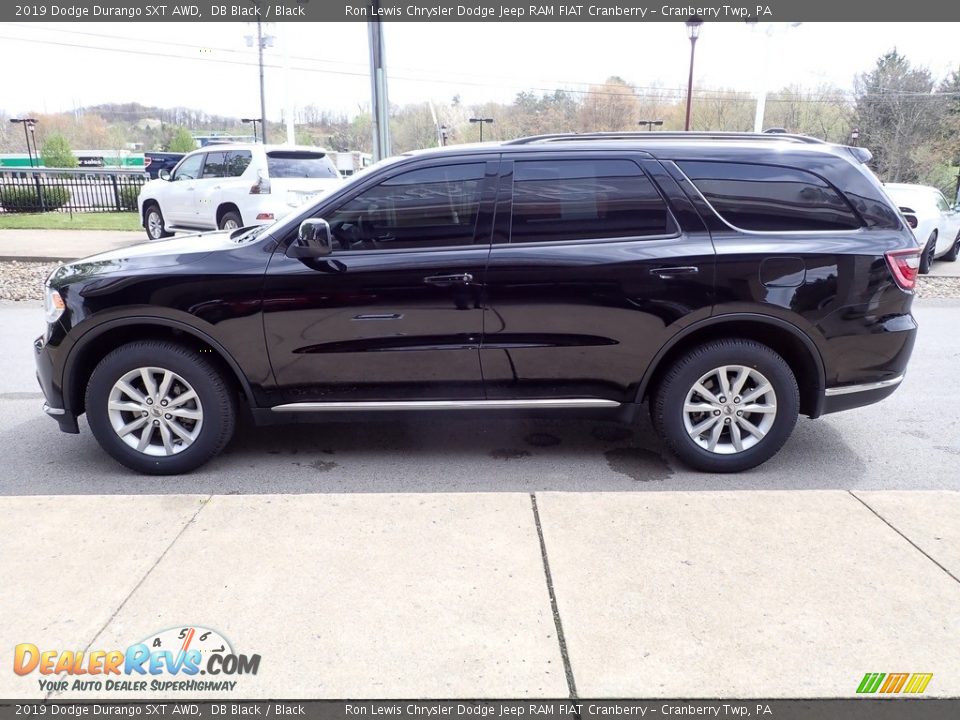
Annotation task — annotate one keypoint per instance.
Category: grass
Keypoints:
(64, 221)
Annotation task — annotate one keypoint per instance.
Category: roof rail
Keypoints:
(665, 135)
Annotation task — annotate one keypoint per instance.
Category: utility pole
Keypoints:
(263, 96)
(380, 104)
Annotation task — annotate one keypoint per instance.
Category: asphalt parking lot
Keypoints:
(910, 441)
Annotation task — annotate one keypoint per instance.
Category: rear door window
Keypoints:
(590, 199)
(770, 198)
(299, 164)
(214, 167)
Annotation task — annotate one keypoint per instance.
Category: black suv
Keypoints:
(730, 281)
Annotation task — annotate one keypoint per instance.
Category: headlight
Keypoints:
(53, 305)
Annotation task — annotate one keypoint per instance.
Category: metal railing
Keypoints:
(33, 190)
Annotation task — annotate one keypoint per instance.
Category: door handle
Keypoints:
(665, 273)
(447, 280)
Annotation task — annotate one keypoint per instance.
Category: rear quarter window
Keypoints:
(300, 164)
(770, 197)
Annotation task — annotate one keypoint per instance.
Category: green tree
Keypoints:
(898, 116)
(56, 152)
(182, 141)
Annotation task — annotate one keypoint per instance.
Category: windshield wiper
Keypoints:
(247, 234)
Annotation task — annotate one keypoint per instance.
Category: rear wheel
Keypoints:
(954, 250)
(231, 220)
(159, 408)
(153, 223)
(726, 406)
(926, 259)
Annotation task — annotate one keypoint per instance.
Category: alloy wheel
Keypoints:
(154, 225)
(730, 409)
(155, 411)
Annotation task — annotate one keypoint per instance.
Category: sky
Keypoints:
(209, 66)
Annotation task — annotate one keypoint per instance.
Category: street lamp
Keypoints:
(650, 124)
(28, 123)
(481, 121)
(254, 121)
(693, 32)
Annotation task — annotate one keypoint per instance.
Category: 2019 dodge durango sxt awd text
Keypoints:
(729, 281)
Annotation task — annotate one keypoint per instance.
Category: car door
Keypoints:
(395, 312)
(208, 189)
(179, 207)
(589, 274)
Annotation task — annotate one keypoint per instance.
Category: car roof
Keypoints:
(712, 146)
(221, 147)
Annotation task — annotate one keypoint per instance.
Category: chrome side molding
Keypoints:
(447, 405)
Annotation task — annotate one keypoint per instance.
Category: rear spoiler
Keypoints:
(861, 154)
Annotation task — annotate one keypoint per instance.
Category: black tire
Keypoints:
(154, 225)
(671, 394)
(926, 257)
(231, 216)
(215, 399)
(954, 250)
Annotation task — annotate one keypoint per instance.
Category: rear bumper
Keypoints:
(846, 397)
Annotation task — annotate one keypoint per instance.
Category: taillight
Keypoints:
(261, 187)
(904, 265)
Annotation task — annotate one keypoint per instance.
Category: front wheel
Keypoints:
(726, 406)
(153, 223)
(159, 408)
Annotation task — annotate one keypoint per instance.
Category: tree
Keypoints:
(182, 141)
(897, 114)
(56, 152)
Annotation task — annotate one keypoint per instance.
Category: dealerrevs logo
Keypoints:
(168, 661)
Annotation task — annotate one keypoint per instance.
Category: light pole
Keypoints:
(28, 123)
(650, 124)
(768, 30)
(262, 42)
(254, 121)
(693, 32)
(481, 120)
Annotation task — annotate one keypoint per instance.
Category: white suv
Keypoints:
(230, 186)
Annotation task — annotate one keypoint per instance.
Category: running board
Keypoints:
(446, 405)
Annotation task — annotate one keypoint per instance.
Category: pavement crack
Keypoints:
(136, 587)
(561, 638)
(898, 532)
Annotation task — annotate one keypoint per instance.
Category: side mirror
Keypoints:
(164, 174)
(314, 240)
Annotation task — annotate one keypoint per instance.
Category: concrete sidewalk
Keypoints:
(65, 245)
(673, 594)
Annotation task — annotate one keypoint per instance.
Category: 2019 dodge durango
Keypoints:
(727, 282)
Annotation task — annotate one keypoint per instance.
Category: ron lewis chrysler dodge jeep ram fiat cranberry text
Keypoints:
(728, 281)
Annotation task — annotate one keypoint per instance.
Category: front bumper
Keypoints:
(54, 405)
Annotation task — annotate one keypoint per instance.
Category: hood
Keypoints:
(180, 250)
